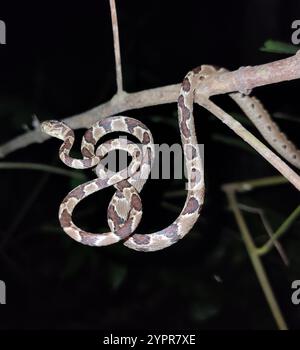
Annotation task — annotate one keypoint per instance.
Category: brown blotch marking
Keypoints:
(259, 116)
(146, 137)
(88, 238)
(86, 152)
(68, 161)
(113, 215)
(186, 85)
(185, 116)
(171, 232)
(294, 156)
(119, 194)
(131, 124)
(77, 193)
(70, 133)
(269, 127)
(65, 218)
(252, 105)
(67, 143)
(140, 239)
(185, 113)
(88, 136)
(126, 229)
(87, 162)
(102, 183)
(274, 140)
(106, 124)
(181, 101)
(185, 130)
(123, 184)
(195, 176)
(191, 152)
(284, 146)
(192, 206)
(136, 202)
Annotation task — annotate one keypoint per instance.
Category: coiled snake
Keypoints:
(125, 208)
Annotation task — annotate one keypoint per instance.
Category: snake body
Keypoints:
(125, 208)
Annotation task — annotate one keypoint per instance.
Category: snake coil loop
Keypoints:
(125, 209)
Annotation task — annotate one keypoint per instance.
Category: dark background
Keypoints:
(58, 62)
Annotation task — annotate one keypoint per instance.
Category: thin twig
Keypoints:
(115, 29)
(249, 185)
(268, 229)
(40, 167)
(284, 227)
(256, 262)
(261, 148)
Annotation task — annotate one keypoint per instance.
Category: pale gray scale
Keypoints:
(139, 133)
(119, 124)
(98, 132)
(186, 223)
(155, 243)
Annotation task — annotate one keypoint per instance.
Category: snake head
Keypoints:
(55, 128)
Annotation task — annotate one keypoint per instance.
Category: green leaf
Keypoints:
(275, 46)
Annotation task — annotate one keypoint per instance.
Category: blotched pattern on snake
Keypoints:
(125, 209)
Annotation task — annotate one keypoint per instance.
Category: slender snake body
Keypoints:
(125, 208)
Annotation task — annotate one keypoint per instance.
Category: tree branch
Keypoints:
(247, 78)
(41, 167)
(263, 150)
(243, 79)
(284, 227)
(255, 259)
(115, 28)
(268, 229)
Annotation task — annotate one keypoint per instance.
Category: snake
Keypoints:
(124, 212)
